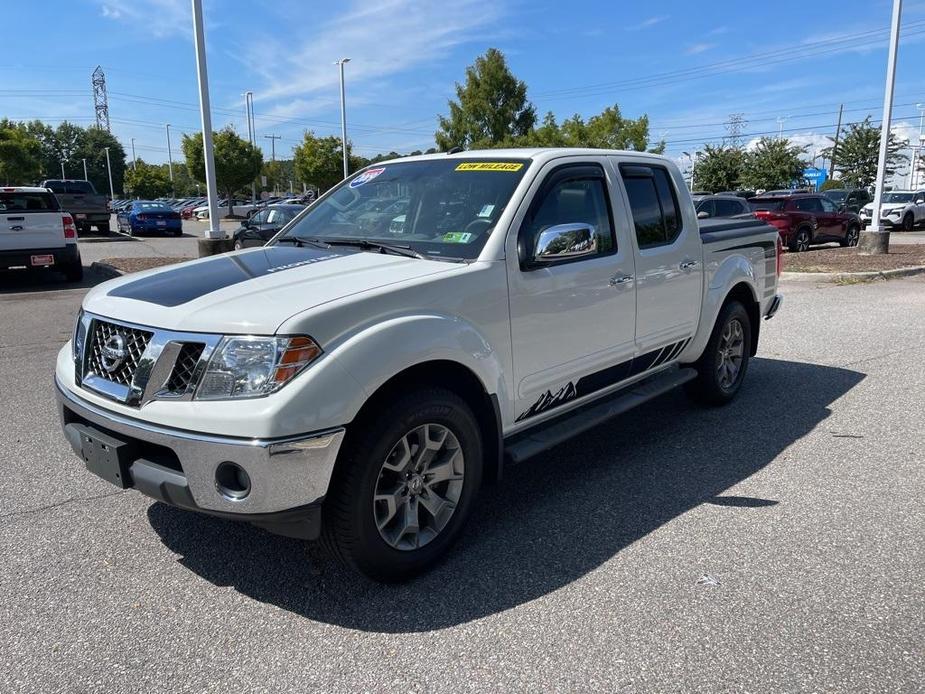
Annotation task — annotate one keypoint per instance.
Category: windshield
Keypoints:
(897, 197)
(836, 195)
(443, 208)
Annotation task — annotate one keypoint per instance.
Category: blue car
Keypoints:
(144, 216)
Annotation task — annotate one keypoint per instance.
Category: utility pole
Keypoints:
(205, 111)
(343, 115)
(170, 162)
(112, 193)
(134, 158)
(780, 126)
(85, 169)
(875, 240)
(841, 107)
(273, 139)
(916, 150)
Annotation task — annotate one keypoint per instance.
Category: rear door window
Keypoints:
(28, 202)
(654, 204)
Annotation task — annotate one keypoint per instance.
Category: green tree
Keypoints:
(318, 161)
(20, 156)
(773, 163)
(491, 107)
(147, 181)
(857, 153)
(91, 145)
(237, 161)
(719, 168)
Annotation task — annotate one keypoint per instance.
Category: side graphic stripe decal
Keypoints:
(604, 378)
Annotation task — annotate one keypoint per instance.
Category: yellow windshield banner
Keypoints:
(489, 166)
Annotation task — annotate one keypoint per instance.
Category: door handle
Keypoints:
(688, 265)
(617, 280)
(16, 227)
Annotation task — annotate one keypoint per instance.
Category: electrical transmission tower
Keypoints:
(735, 126)
(100, 100)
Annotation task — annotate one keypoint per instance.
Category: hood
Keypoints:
(251, 291)
(885, 207)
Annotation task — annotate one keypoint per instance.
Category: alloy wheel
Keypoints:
(731, 352)
(419, 487)
(802, 242)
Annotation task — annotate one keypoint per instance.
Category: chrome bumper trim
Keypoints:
(285, 472)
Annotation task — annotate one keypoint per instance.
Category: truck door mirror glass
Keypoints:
(919, 201)
(703, 214)
(565, 242)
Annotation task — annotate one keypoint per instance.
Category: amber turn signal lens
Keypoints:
(299, 353)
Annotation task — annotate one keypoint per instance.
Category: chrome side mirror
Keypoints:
(919, 201)
(703, 214)
(565, 242)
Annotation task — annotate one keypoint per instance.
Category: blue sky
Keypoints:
(687, 65)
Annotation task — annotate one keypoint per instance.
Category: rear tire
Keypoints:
(238, 245)
(424, 452)
(801, 241)
(74, 272)
(724, 362)
(103, 228)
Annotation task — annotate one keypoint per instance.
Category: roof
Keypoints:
(23, 189)
(536, 153)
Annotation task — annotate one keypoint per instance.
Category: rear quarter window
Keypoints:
(28, 202)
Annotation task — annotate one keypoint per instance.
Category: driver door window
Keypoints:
(260, 217)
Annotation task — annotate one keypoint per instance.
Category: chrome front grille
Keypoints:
(135, 364)
(118, 339)
(184, 368)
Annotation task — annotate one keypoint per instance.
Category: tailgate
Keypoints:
(77, 202)
(22, 230)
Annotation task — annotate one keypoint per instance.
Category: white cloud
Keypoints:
(696, 48)
(381, 38)
(650, 22)
(160, 18)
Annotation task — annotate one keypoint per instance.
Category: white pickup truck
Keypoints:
(359, 382)
(36, 234)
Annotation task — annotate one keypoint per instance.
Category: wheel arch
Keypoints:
(457, 378)
(745, 294)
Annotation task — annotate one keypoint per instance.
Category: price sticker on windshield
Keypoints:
(366, 177)
(489, 166)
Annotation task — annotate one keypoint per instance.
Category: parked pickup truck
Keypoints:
(80, 198)
(36, 234)
(361, 387)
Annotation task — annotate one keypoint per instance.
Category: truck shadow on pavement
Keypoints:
(29, 281)
(548, 522)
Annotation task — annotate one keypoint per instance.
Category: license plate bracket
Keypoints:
(42, 260)
(106, 456)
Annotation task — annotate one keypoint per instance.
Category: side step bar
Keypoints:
(544, 436)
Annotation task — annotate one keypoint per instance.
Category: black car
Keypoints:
(723, 206)
(264, 225)
(848, 200)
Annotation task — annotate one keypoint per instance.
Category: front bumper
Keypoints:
(289, 477)
(64, 256)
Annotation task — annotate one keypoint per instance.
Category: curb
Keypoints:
(105, 269)
(852, 276)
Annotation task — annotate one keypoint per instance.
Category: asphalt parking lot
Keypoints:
(774, 545)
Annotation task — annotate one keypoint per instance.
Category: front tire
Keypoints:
(908, 222)
(74, 272)
(404, 485)
(724, 362)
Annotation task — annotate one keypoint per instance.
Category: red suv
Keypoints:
(807, 219)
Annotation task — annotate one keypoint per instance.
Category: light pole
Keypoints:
(251, 134)
(62, 169)
(85, 169)
(170, 160)
(112, 193)
(875, 240)
(693, 159)
(343, 114)
(214, 231)
(917, 149)
(134, 158)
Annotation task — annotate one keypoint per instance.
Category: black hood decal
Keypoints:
(187, 282)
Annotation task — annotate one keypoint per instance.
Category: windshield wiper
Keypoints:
(368, 245)
(301, 242)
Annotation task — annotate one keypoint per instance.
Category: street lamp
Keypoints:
(214, 231)
(693, 159)
(85, 169)
(62, 169)
(134, 158)
(112, 194)
(343, 114)
(169, 157)
(917, 149)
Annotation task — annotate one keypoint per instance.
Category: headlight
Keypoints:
(248, 366)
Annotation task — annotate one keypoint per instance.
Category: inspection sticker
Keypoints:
(457, 237)
(489, 166)
(366, 177)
